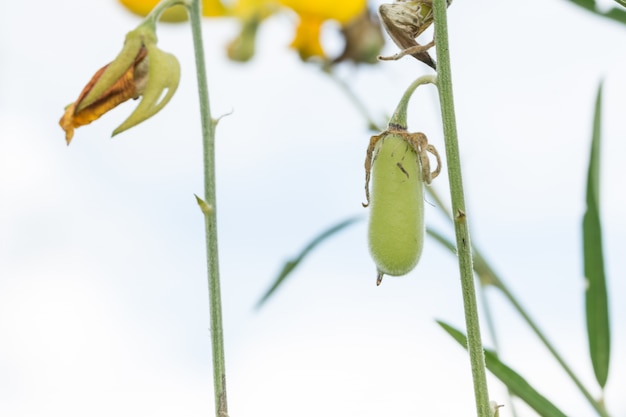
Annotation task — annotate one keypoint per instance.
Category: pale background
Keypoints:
(103, 294)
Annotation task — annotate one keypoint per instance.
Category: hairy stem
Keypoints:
(464, 251)
(210, 216)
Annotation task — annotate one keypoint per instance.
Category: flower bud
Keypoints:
(241, 49)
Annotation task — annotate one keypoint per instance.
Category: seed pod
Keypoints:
(396, 225)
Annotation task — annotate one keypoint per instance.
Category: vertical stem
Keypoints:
(491, 330)
(444, 84)
(210, 218)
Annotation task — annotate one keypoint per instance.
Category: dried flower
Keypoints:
(405, 20)
(140, 69)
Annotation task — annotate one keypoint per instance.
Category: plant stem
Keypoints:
(210, 218)
(485, 279)
(464, 248)
(491, 331)
(158, 10)
(399, 117)
(347, 90)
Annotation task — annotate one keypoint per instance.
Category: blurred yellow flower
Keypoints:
(313, 14)
(253, 9)
(307, 39)
(341, 11)
(210, 8)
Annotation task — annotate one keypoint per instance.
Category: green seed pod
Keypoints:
(396, 225)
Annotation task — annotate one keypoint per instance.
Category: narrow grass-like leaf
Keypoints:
(482, 269)
(616, 13)
(596, 300)
(290, 265)
(514, 381)
(444, 241)
(488, 276)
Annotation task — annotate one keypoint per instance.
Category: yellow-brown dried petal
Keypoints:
(129, 85)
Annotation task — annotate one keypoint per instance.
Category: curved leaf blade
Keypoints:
(596, 299)
(514, 381)
(616, 13)
(291, 264)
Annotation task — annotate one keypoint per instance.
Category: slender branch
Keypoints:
(399, 116)
(158, 10)
(347, 90)
(464, 251)
(210, 216)
(491, 330)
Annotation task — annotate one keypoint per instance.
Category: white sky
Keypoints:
(103, 298)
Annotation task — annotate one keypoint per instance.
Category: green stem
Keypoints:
(371, 124)
(399, 117)
(464, 251)
(478, 263)
(210, 218)
(491, 331)
(158, 10)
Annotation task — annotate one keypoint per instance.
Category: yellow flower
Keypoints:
(140, 69)
(307, 39)
(210, 8)
(341, 11)
(313, 14)
(358, 28)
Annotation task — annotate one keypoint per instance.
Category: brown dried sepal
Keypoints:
(418, 142)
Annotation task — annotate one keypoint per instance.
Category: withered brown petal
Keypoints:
(125, 88)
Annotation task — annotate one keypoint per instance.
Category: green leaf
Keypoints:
(621, 2)
(444, 241)
(483, 271)
(515, 382)
(596, 300)
(617, 14)
(290, 265)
